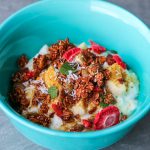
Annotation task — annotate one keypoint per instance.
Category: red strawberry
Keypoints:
(71, 53)
(87, 123)
(107, 117)
(57, 109)
(119, 61)
(30, 74)
(97, 48)
(97, 89)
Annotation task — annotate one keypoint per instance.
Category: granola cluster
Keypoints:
(66, 87)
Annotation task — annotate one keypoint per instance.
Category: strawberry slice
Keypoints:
(97, 89)
(97, 48)
(107, 117)
(30, 74)
(87, 123)
(119, 61)
(57, 109)
(71, 53)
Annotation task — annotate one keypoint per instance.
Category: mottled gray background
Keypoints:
(137, 139)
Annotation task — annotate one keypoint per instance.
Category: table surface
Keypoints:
(138, 138)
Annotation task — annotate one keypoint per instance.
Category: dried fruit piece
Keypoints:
(101, 59)
(119, 61)
(23, 60)
(97, 89)
(71, 53)
(99, 78)
(123, 117)
(39, 119)
(30, 74)
(67, 115)
(87, 123)
(110, 60)
(58, 49)
(107, 117)
(97, 48)
(57, 109)
(77, 128)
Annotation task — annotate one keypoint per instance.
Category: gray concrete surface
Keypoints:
(137, 139)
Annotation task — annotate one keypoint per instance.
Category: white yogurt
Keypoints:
(126, 97)
(56, 122)
(43, 51)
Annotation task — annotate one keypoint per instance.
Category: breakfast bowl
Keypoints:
(47, 21)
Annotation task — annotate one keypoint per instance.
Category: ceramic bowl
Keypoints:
(47, 21)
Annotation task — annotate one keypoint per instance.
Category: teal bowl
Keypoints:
(49, 20)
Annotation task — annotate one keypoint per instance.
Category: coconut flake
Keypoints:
(30, 87)
(79, 67)
(105, 65)
(56, 122)
(43, 89)
(42, 86)
(71, 76)
(73, 93)
(29, 65)
(26, 83)
(56, 70)
(33, 109)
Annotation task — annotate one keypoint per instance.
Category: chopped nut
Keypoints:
(109, 99)
(92, 110)
(58, 49)
(68, 101)
(67, 115)
(123, 117)
(22, 61)
(77, 117)
(121, 80)
(39, 63)
(44, 108)
(88, 57)
(107, 74)
(77, 128)
(39, 119)
(83, 87)
(18, 97)
(110, 60)
(100, 79)
(102, 59)
(20, 76)
(94, 69)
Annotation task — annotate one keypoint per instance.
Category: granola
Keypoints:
(74, 88)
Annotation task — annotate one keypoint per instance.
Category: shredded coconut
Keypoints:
(37, 81)
(71, 75)
(56, 70)
(42, 86)
(43, 89)
(105, 65)
(73, 93)
(26, 83)
(30, 87)
(79, 67)
(56, 122)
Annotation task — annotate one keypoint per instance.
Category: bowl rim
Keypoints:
(128, 123)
